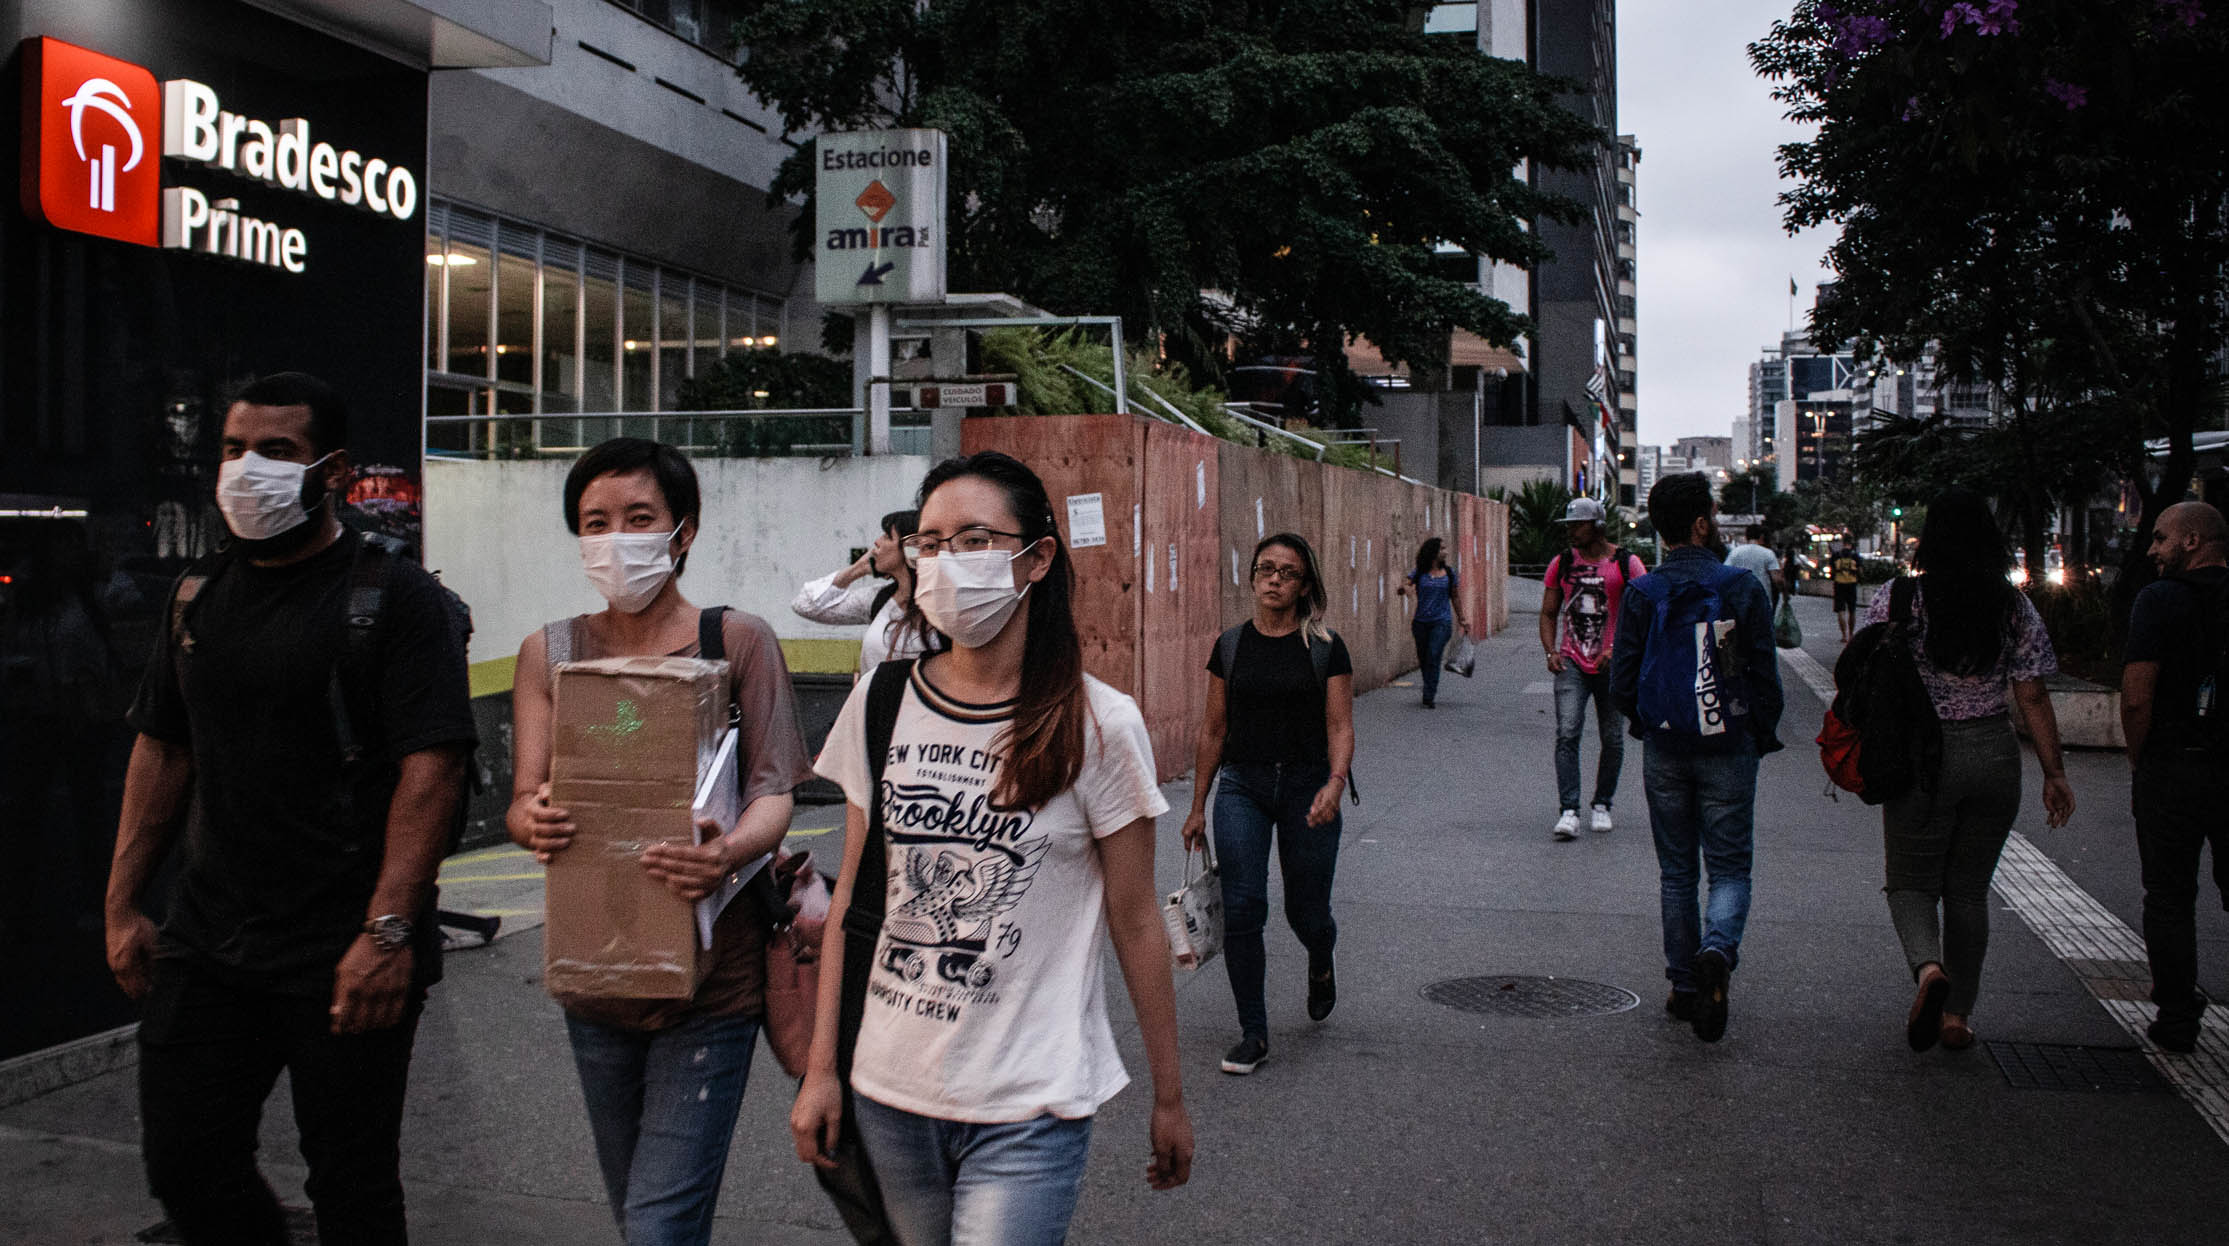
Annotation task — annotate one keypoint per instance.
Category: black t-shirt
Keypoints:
(2167, 625)
(1274, 708)
(281, 849)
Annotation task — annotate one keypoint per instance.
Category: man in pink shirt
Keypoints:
(1578, 625)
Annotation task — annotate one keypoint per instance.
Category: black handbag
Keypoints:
(851, 1185)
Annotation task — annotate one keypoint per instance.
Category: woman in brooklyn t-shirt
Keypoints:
(1018, 800)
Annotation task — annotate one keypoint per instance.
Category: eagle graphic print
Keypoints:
(958, 866)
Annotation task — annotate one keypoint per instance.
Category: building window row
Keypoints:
(520, 321)
(710, 24)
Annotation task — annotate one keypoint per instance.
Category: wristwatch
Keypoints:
(389, 933)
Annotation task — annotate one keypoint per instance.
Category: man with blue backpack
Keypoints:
(1696, 675)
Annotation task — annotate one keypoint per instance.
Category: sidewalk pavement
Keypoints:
(1398, 1119)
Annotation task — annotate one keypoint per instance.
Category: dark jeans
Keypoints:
(1701, 805)
(1942, 849)
(1431, 642)
(1253, 801)
(1574, 689)
(2179, 804)
(209, 1054)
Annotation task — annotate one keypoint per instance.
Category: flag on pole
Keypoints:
(1791, 287)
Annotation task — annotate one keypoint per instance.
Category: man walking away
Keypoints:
(1844, 569)
(1757, 558)
(1695, 670)
(2176, 720)
(1578, 623)
(303, 728)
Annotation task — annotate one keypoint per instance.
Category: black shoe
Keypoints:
(1323, 992)
(1680, 1005)
(2177, 1035)
(1246, 1056)
(1923, 1026)
(1712, 977)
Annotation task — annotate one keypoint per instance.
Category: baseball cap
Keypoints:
(1584, 510)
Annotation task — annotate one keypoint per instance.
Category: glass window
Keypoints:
(470, 276)
(742, 320)
(673, 339)
(560, 328)
(704, 336)
(638, 327)
(437, 267)
(514, 320)
(600, 322)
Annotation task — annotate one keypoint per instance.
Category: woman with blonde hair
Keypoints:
(1278, 740)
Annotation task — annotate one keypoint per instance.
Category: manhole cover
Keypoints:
(1515, 995)
(2057, 1066)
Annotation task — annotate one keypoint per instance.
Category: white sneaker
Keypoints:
(1601, 819)
(1567, 826)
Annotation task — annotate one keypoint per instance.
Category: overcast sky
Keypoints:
(1713, 260)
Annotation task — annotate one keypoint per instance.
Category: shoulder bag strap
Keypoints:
(368, 569)
(863, 917)
(557, 643)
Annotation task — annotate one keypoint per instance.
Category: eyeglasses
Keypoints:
(1283, 575)
(972, 540)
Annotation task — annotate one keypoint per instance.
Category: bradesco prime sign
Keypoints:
(880, 212)
(91, 128)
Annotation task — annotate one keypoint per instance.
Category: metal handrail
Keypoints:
(854, 444)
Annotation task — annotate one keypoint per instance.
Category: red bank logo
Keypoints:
(91, 126)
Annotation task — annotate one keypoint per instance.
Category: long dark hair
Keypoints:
(1427, 557)
(1045, 738)
(1313, 607)
(1969, 601)
(899, 525)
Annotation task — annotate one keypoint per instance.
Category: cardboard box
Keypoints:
(631, 740)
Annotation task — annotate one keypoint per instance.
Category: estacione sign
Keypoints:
(91, 123)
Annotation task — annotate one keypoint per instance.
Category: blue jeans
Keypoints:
(662, 1105)
(1574, 688)
(1253, 801)
(1431, 642)
(1701, 803)
(946, 1182)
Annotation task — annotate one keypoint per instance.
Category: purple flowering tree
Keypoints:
(2038, 192)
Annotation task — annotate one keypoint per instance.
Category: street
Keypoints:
(1402, 1120)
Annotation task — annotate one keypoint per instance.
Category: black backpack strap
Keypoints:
(196, 579)
(1901, 591)
(1319, 657)
(712, 640)
(351, 691)
(1226, 649)
(863, 918)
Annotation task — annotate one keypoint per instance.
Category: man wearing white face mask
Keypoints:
(300, 931)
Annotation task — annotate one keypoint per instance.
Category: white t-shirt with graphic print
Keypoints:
(986, 1002)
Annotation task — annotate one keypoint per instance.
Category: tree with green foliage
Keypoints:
(1280, 173)
(2035, 191)
(1754, 491)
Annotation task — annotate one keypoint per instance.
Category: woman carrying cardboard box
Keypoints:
(663, 1078)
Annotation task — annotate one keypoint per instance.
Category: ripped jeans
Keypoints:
(662, 1106)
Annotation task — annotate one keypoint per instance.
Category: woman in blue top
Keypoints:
(1438, 611)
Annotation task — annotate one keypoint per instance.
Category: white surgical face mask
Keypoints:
(628, 568)
(261, 498)
(969, 597)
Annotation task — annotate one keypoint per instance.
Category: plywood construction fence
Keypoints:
(1162, 523)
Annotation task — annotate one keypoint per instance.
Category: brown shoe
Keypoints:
(1924, 1026)
(1957, 1034)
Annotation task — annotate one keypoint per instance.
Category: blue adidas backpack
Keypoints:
(1692, 684)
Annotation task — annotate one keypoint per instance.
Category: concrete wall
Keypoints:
(496, 533)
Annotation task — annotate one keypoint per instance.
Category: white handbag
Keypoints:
(1194, 914)
(1462, 655)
